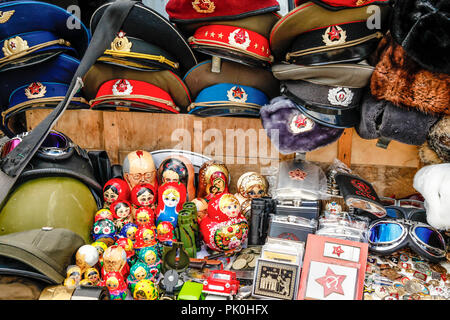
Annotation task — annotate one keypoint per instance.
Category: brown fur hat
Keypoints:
(400, 80)
(439, 138)
(428, 156)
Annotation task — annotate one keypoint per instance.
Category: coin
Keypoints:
(239, 264)
(252, 263)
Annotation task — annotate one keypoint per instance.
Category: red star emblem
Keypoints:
(331, 283)
(239, 37)
(300, 122)
(204, 4)
(238, 92)
(34, 88)
(297, 174)
(337, 251)
(334, 33)
(122, 86)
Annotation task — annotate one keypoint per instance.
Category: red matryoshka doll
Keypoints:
(103, 214)
(139, 168)
(115, 189)
(121, 211)
(144, 216)
(178, 168)
(145, 237)
(213, 178)
(224, 229)
(165, 232)
(250, 185)
(116, 285)
(127, 245)
(171, 197)
(115, 259)
(144, 195)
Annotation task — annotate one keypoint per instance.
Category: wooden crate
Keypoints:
(240, 142)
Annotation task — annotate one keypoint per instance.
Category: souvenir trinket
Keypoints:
(250, 185)
(86, 257)
(104, 230)
(103, 214)
(115, 259)
(143, 195)
(175, 258)
(139, 168)
(144, 216)
(73, 276)
(188, 230)
(171, 197)
(150, 256)
(224, 228)
(139, 271)
(121, 211)
(101, 247)
(92, 275)
(178, 168)
(116, 285)
(115, 189)
(129, 231)
(127, 245)
(145, 237)
(145, 290)
(165, 232)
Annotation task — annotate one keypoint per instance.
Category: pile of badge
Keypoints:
(234, 34)
(403, 275)
(38, 59)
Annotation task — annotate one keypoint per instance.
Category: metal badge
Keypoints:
(204, 6)
(237, 94)
(121, 43)
(334, 35)
(5, 16)
(122, 87)
(340, 96)
(299, 123)
(239, 38)
(14, 46)
(35, 90)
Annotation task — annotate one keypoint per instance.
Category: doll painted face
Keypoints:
(150, 257)
(218, 183)
(148, 236)
(171, 197)
(101, 247)
(252, 185)
(115, 189)
(110, 194)
(230, 206)
(139, 168)
(121, 209)
(145, 197)
(112, 283)
(74, 272)
(143, 216)
(129, 231)
(92, 275)
(114, 258)
(140, 273)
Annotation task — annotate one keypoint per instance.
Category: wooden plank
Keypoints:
(344, 146)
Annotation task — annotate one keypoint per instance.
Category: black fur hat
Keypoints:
(422, 27)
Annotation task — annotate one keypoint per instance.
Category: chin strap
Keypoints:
(16, 161)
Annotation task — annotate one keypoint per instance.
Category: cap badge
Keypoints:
(237, 94)
(14, 45)
(334, 35)
(121, 43)
(204, 6)
(300, 123)
(35, 90)
(340, 96)
(239, 38)
(122, 87)
(5, 16)
(297, 174)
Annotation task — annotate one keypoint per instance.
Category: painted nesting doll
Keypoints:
(144, 195)
(115, 189)
(145, 237)
(115, 259)
(225, 228)
(250, 185)
(139, 168)
(116, 285)
(171, 197)
(178, 168)
(121, 211)
(138, 271)
(213, 179)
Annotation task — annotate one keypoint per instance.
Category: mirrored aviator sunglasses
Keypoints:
(389, 235)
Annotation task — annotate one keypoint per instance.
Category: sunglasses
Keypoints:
(406, 228)
(56, 145)
(406, 203)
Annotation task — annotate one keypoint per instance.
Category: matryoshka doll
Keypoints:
(144, 216)
(144, 195)
(178, 168)
(127, 245)
(250, 185)
(139, 271)
(151, 257)
(129, 231)
(145, 237)
(116, 285)
(115, 259)
(115, 189)
(73, 276)
(101, 247)
(145, 290)
(92, 275)
(104, 230)
(138, 168)
(165, 232)
(172, 196)
(225, 228)
(103, 214)
(213, 179)
(121, 211)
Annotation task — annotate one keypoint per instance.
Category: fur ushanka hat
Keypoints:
(421, 28)
(399, 79)
(296, 132)
(439, 138)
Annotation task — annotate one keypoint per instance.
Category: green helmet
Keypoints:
(58, 202)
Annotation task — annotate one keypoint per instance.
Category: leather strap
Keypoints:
(15, 162)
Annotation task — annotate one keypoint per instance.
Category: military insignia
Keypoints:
(122, 87)
(300, 123)
(204, 6)
(237, 94)
(297, 174)
(121, 43)
(35, 90)
(275, 279)
(334, 35)
(5, 16)
(240, 39)
(14, 45)
(340, 96)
